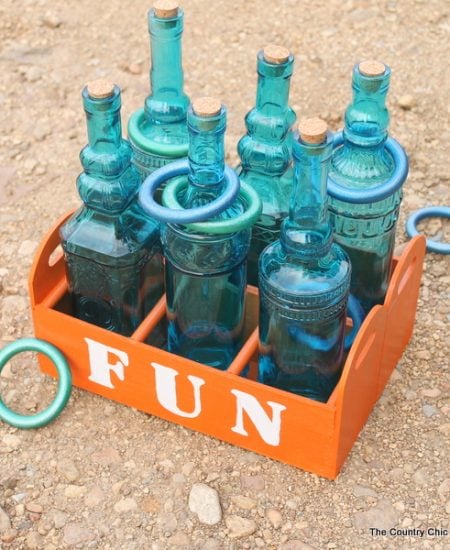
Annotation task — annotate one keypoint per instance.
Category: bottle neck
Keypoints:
(166, 73)
(104, 126)
(272, 94)
(367, 118)
(306, 233)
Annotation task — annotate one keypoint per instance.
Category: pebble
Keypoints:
(150, 505)
(179, 539)
(34, 540)
(187, 468)
(421, 476)
(431, 392)
(275, 518)
(168, 522)
(51, 20)
(295, 544)
(444, 489)
(11, 441)
(34, 507)
(59, 519)
(383, 516)
(76, 533)
(424, 354)
(253, 483)
(75, 491)
(106, 456)
(240, 527)
(67, 469)
(246, 503)
(5, 522)
(360, 491)
(204, 501)
(407, 102)
(125, 505)
(429, 411)
(94, 497)
(9, 535)
(27, 248)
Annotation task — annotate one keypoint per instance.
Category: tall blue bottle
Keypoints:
(266, 149)
(112, 251)
(206, 273)
(158, 132)
(362, 162)
(304, 282)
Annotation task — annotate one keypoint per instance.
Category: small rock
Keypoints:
(212, 544)
(75, 491)
(34, 540)
(383, 516)
(27, 248)
(204, 501)
(187, 468)
(40, 132)
(106, 456)
(167, 521)
(76, 533)
(11, 441)
(444, 489)
(424, 354)
(407, 102)
(295, 544)
(94, 497)
(275, 517)
(34, 507)
(421, 476)
(360, 491)
(447, 507)
(431, 392)
(400, 506)
(9, 535)
(429, 411)
(59, 519)
(179, 539)
(240, 527)
(5, 522)
(150, 504)
(246, 503)
(125, 505)
(67, 469)
(51, 20)
(253, 483)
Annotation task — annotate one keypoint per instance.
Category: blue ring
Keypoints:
(429, 212)
(379, 192)
(191, 215)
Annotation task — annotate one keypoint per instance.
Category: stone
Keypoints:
(204, 502)
(240, 527)
(66, 468)
(77, 533)
(246, 503)
(11, 441)
(125, 505)
(360, 491)
(9, 535)
(444, 489)
(423, 354)
(275, 518)
(407, 102)
(383, 516)
(75, 491)
(5, 522)
(34, 540)
(429, 411)
(167, 521)
(421, 476)
(295, 544)
(187, 468)
(150, 504)
(179, 539)
(253, 483)
(59, 519)
(94, 497)
(431, 392)
(34, 507)
(106, 456)
(51, 20)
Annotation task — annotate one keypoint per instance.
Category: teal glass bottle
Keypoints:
(363, 162)
(266, 150)
(304, 281)
(112, 251)
(206, 274)
(158, 132)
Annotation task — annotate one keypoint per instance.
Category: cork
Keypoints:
(99, 89)
(276, 54)
(313, 130)
(206, 106)
(372, 68)
(166, 9)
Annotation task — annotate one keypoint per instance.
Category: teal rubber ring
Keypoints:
(218, 227)
(42, 418)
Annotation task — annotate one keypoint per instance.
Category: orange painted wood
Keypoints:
(313, 436)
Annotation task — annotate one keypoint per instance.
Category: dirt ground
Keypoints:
(106, 476)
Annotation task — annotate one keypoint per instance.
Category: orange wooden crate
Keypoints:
(310, 435)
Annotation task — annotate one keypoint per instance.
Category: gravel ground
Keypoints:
(106, 476)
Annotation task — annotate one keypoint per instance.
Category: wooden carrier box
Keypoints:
(314, 436)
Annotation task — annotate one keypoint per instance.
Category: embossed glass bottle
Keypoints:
(304, 282)
(266, 149)
(158, 132)
(366, 231)
(206, 273)
(112, 251)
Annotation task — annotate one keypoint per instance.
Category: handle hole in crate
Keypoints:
(362, 356)
(55, 256)
(407, 275)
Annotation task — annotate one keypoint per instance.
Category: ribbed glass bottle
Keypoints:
(112, 251)
(304, 282)
(158, 132)
(206, 274)
(366, 231)
(266, 149)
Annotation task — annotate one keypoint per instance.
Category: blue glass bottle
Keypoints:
(206, 273)
(158, 132)
(363, 162)
(304, 282)
(112, 251)
(266, 149)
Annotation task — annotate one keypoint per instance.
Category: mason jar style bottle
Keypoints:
(206, 272)
(266, 150)
(111, 247)
(363, 166)
(158, 132)
(304, 281)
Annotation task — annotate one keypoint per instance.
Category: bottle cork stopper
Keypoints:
(312, 130)
(206, 106)
(276, 54)
(166, 9)
(372, 68)
(99, 89)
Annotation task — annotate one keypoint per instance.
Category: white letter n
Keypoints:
(166, 391)
(268, 428)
